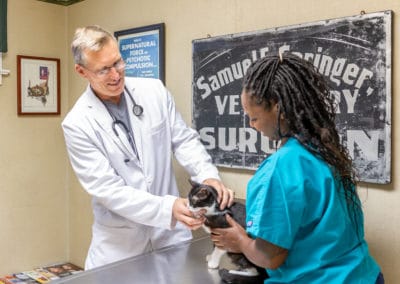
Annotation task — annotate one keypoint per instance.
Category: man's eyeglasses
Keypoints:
(118, 66)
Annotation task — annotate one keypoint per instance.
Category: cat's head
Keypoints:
(203, 197)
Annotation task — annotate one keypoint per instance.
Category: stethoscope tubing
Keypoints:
(136, 109)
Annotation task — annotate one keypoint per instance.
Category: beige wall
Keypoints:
(33, 184)
(48, 188)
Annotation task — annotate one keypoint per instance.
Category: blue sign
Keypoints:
(141, 54)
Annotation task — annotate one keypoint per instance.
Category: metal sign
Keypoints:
(353, 53)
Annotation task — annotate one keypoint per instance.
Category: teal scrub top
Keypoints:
(293, 202)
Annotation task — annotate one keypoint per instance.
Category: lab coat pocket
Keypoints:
(155, 128)
(156, 148)
(158, 135)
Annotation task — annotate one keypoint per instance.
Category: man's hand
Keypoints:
(182, 213)
(225, 195)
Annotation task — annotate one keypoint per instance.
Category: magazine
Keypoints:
(37, 276)
(46, 273)
(18, 278)
(42, 275)
(63, 269)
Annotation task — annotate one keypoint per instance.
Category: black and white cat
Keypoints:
(204, 197)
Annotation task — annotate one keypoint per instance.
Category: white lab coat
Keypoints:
(132, 198)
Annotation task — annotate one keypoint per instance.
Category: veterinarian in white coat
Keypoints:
(134, 193)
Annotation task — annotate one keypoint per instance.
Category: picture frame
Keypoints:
(143, 50)
(38, 85)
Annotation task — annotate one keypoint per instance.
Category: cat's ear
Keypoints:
(193, 183)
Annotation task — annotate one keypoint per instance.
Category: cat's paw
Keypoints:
(214, 258)
(212, 264)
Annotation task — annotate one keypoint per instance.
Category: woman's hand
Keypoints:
(231, 239)
(258, 251)
(225, 195)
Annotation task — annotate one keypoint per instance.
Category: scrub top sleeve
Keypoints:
(274, 208)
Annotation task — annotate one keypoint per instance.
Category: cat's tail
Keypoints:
(251, 276)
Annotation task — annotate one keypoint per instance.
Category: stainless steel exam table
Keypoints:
(180, 264)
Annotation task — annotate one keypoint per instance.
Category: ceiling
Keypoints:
(62, 2)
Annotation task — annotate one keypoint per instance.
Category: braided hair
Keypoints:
(304, 98)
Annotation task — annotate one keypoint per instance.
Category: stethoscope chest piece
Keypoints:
(137, 109)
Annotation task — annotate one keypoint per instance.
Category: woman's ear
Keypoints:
(279, 110)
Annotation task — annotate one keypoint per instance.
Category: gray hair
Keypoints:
(91, 38)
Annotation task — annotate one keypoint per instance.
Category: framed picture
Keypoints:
(143, 51)
(38, 85)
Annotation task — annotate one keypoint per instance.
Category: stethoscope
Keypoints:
(137, 111)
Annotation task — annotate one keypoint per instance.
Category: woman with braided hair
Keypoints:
(304, 217)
